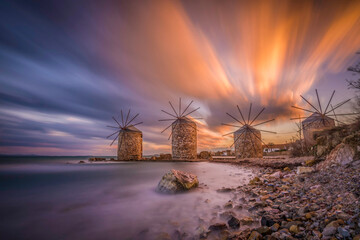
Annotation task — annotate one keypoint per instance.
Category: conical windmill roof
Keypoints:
(132, 128)
(243, 128)
(314, 117)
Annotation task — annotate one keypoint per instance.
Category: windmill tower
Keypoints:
(319, 119)
(247, 139)
(183, 133)
(129, 138)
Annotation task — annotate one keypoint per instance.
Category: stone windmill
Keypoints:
(247, 139)
(129, 138)
(319, 119)
(183, 132)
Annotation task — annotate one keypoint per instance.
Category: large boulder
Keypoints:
(342, 154)
(177, 181)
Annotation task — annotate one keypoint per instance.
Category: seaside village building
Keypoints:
(184, 139)
(248, 143)
(315, 122)
(130, 144)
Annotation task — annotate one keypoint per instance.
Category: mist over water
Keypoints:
(47, 198)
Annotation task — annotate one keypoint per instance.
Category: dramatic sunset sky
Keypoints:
(66, 67)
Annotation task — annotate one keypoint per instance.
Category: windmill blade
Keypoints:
(267, 131)
(257, 116)
(332, 109)
(343, 114)
(167, 127)
(121, 140)
(310, 103)
(228, 133)
(317, 95)
(332, 95)
(241, 115)
(235, 119)
(238, 138)
(164, 120)
(173, 109)
(172, 130)
(230, 125)
(191, 112)
(113, 133)
(116, 121)
(127, 117)
(133, 118)
(243, 146)
(303, 109)
(169, 114)
(187, 108)
(252, 143)
(249, 113)
(263, 122)
(259, 138)
(114, 140)
(338, 105)
(133, 125)
(112, 127)
(179, 106)
(298, 118)
(122, 118)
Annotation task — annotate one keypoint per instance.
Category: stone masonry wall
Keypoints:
(130, 148)
(248, 145)
(310, 128)
(184, 140)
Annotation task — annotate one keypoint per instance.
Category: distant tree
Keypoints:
(355, 83)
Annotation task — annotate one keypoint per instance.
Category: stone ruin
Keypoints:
(248, 143)
(184, 139)
(130, 144)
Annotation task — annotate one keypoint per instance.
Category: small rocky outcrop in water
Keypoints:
(177, 181)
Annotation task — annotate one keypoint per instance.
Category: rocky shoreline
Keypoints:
(294, 204)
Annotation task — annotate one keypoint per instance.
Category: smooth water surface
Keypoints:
(45, 198)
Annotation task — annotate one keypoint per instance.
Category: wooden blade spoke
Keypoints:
(241, 115)
(257, 116)
(121, 140)
(297, 118)
(317, 95)
(235, 118)
(133, 118)
(191, 112)
(264, 122)
(332, 95)
(173, 109)
(249, 113)
(112, 127)
(116, 121)
(164, 120)
(309, 103)
(237, 138)
(230, 125)
(127, 118)
(133, 125)
(259, 138)
(113, 133)
(114, 140)
(303, 109)
(267, 131)
(169, 114)
(172, 130)
(122, 118)
(228, 133)
(186, 108)
(339, 105)
(167, 127)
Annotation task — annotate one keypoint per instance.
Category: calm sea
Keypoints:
(57, 198)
